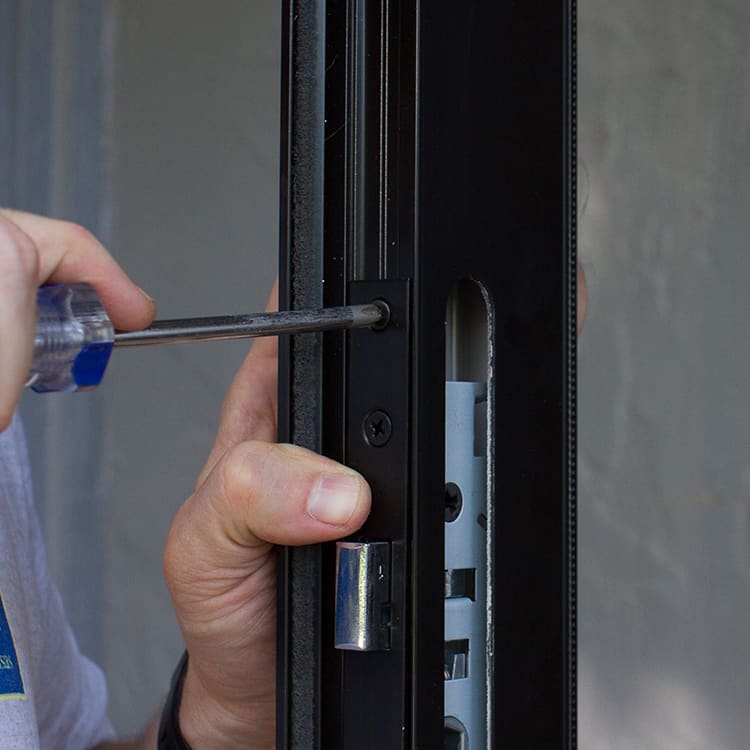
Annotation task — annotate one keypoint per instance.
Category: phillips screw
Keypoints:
(377, 428)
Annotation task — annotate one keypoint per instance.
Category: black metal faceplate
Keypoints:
(378, 379)
(447, 150)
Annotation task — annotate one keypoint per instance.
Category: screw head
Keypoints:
(377, 428)
(454, 502)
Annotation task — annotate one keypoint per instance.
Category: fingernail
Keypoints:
(147, 295)
(333, 498)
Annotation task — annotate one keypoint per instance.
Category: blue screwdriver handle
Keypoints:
(74, 338)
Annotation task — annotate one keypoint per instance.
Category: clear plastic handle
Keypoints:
(74, 338)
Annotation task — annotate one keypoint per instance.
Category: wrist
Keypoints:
(209, 724)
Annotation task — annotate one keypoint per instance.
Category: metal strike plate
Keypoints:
(363, 582)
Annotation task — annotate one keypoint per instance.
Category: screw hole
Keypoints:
(386, 311)
(454, 502)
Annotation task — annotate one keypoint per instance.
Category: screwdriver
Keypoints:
(75, 337)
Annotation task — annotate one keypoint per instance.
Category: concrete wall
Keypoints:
(664, 374)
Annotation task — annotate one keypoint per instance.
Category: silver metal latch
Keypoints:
(363, 583)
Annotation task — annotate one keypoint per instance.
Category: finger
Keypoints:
(69, 253)
(249, 411)
(19, 262)
(260, 494)
(267, 347)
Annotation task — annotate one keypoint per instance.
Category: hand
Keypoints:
(220, 564)
(219, 561)
(34, 251)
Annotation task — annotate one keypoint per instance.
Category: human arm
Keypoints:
(35, 250)
(219, 560)
(219, 564)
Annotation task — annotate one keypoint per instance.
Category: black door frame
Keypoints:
(423, 143)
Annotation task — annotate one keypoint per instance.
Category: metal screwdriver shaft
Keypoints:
(75, 337)
(252, 326)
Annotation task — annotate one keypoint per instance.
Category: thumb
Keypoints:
(260, 494)
(220, 570)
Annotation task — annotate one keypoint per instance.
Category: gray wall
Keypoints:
(156, 124)
(195, 188)
(664, 375)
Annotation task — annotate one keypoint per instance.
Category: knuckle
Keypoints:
(237, 473)
(77, 237)
(18, 253)
(77, 234)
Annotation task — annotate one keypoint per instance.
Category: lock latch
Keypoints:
(363, 584)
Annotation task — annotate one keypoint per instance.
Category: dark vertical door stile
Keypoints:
(424, 145)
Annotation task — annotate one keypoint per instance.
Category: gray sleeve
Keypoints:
(72, 701)
(70, 690)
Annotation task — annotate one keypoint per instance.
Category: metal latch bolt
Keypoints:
(363, 583)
